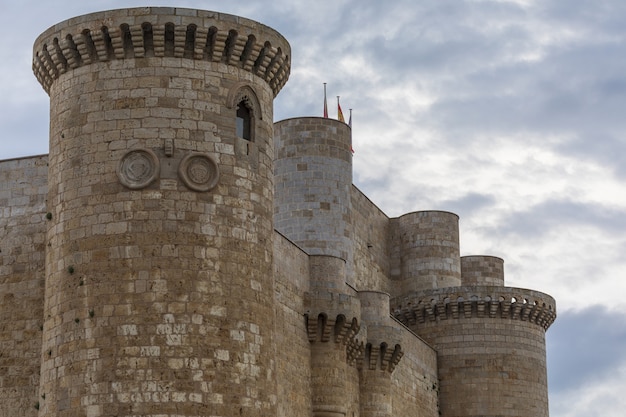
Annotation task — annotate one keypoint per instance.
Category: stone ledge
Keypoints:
(162, 32)
(475, 301)
(380, 357)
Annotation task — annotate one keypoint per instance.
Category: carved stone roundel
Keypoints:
(199, 172)
(138, 168)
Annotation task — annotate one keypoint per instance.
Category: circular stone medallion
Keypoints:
(138, 168)
(199, 172)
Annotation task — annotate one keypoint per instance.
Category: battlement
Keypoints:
(179, 254)
(475, 301)
(381, 357)
(162, 32)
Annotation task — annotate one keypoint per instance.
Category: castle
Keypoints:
(178, 253)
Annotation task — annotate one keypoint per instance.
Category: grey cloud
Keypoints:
(605, 149)
(577, 86)
(606, 15)
(583, 346)
(538, 220)
(468, 204)
(568, 91)
(441, 37)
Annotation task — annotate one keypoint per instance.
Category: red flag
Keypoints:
(325, 103)
(339, 112)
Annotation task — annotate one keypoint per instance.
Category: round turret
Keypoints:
(159, 288)
(313, 185)
(491, 348)
(313, 182)
(482, 270)
(382, 354)
(429, 250)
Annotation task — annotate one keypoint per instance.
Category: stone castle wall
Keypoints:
(313, 185)
(291, 272)
(371, 242)
(416, 383)
(412, 385)
(160, 262)
(23, 188)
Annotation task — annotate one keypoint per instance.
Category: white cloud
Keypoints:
(587, 363)
(594, 398)
(510, 113)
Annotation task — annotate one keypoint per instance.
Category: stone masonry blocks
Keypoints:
(482, 270)
(157, 264)
(141, 274)
(23, 220)
(429, 250)
(313, 184)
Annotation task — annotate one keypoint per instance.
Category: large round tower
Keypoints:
(313, 185)
(313, 209)
(159, 289)
(490, 339)
(490, 342)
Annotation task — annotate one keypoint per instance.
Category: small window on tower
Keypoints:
(244, 121)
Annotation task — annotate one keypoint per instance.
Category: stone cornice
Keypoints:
(380, 357)
(162, 32)
(475, 301)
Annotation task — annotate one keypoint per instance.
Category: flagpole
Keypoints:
(325, 103)
(350, 124)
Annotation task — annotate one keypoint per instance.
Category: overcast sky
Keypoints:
(510, 113)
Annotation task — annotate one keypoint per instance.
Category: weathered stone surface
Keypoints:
(156, 264)
(23, 224)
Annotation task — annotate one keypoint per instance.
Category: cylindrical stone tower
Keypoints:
(382, 354)
(490, 339)
(429, 250)
(313, 174)
(482, 270)
(159, 288)
(491, 349)
(313, 185)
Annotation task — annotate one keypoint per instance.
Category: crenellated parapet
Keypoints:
(475, 301)
(382, 350)
(332, 323)
(491, 335)
(381, 357)
(334, 318)
(162, 32)
(336, 330)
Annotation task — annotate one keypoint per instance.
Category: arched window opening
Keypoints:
(244, 121)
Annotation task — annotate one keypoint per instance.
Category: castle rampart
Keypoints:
(162, 32)
(23, 189)
(475, 301)
(490, 343)
(178, 254)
